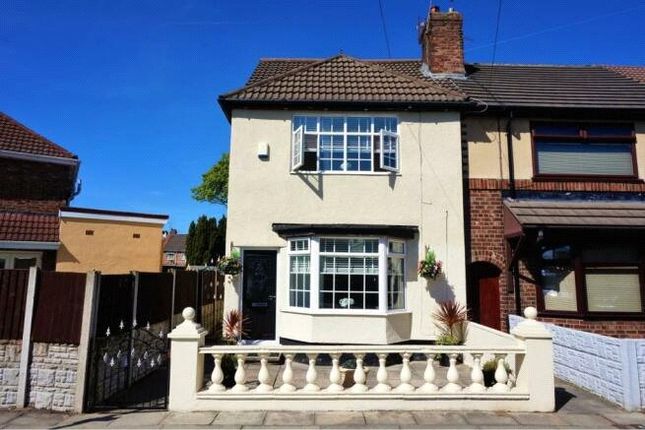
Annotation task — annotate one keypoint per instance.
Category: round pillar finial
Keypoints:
(188, 314)
(530, 313)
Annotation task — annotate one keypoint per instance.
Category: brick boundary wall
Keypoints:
(9, 372)
(487, 244)
(52, 376)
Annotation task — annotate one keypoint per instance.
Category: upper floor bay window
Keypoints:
(351, 274)
(575, 150)
(345, 144)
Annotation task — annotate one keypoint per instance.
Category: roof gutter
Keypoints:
(39, 158)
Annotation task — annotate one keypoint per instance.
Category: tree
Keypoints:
(206, 241)
(214, 186)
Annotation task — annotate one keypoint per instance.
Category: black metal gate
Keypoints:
(128, 365)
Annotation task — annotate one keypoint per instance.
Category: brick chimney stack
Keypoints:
(442, 44)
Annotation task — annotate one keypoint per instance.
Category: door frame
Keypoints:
(278, 295)
(476, 271)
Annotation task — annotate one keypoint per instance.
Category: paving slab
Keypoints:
(627, 418)
(139, 419)
(439, 418)
(289, 418)
(339, 418)
(8, 415)
(538, 419)
(89, 421)
(489, 419)
(241, 418)
(591, 421)
(36, 419)
(189, 418)
(389, 418)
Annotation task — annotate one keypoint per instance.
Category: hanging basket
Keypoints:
(229, 265)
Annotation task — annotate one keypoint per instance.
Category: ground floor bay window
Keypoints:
(592, 280)
(340, 274)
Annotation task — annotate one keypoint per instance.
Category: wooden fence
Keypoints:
(13, 295)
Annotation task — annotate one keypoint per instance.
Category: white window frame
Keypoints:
(314, 280)
(372, 133)
(297, 149)
(394, 136)
(9, 257)
(299, 253)
(400, 256)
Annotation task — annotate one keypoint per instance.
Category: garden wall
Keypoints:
(609, 367)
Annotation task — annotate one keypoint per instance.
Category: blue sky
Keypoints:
(131, 86)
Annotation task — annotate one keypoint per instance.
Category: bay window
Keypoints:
(592, 280)
(344, 144)
(354, 274)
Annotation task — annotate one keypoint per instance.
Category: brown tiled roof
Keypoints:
(25, 226)
(632, 72)
(18, 138)
(578, 213)
(339, 79)
(531, 86)
(175, 243)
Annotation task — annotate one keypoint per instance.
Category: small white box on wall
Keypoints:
(263, 151)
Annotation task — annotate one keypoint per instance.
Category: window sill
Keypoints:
(347, 313)
(311, 173)
(594, 316)
(580, 178)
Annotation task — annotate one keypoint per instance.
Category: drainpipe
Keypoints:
(515, 268)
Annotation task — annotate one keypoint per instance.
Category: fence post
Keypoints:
(629, 374)
(535, 368)
(90, 303)
(186, 365)
(25, 348)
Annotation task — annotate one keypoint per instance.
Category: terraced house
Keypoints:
(526, 181)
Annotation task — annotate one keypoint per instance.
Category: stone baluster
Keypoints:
(429, 376)
(382, 376)
(287, 375)
(217, 376)
(453, 375)
(240, 375)
(501, 376)
(312, 374)
(476, 375)
(359, 375)
(263, 375)
(406, 375)
(334, 375)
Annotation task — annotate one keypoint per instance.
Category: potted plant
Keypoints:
(230, 265)
(232, 332)
(430, 267)
(489, 368)
(450, 318)
(347, 369)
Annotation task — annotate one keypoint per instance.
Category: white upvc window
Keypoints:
(299, 273)
(356, 144)
(347, 274)
(20, 260)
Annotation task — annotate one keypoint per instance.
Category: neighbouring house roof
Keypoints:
(339, 79)
(16, 137)
(501, 85)
(581, 214)
(110, 215)
(633, 72)
(175, 243)
(26, 226)
(399, 231)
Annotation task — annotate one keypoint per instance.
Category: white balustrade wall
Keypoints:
(609, 367)
(304, 385)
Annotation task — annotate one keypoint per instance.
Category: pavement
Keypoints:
(576, 408)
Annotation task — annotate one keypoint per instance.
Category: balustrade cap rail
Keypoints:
(334, 349)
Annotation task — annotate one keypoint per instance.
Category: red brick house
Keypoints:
(174, 250)
(38, 178)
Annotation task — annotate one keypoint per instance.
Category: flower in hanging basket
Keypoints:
(230, 265)
(430, 267)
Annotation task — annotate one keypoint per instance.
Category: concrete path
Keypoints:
(576, 409)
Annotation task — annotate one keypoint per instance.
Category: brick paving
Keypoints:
(575, 409)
